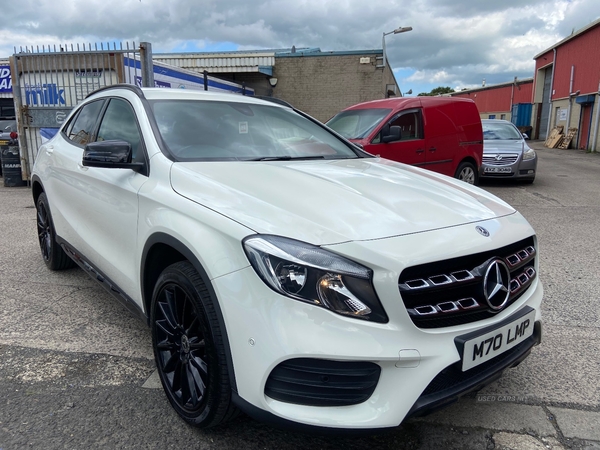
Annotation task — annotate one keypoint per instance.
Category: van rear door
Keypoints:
(442, 150)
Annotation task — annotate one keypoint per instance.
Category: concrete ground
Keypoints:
(76, 369)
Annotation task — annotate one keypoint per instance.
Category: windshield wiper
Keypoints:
(284, 158)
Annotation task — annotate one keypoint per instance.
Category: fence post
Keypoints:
(146, 63)
(21, 116)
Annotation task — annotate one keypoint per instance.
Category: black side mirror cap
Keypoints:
(112, 154)
(391, 133)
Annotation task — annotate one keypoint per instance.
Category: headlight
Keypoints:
(528, 154)
(313, 275)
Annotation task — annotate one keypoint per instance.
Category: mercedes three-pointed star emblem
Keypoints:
(496, 284)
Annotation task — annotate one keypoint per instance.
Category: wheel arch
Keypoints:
(160, 251)
(469, 159)
(36, 188)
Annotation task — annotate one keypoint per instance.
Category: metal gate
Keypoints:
(49, 82)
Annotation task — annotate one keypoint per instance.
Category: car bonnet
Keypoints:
(327, 202)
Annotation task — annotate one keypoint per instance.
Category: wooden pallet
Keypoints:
(566, 140)
(555, 137)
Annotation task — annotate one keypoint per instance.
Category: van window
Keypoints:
(410, 123)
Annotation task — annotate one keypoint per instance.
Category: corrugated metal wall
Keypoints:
(216, 63)
(498, 98)
(583, 52)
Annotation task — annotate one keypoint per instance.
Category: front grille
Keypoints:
(451, 292)
(320, 382)
(502, 159)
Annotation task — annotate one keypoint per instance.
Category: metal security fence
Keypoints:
(48, 82)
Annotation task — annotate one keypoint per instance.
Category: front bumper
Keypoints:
(452, 383)
(267, 330)
(519, 170)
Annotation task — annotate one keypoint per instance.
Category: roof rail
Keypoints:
(274, 100)
(132, 87)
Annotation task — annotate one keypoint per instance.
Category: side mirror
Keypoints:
(391, 133)
(113, 154)
(525, 136)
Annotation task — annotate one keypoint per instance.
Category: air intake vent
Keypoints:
(320, 382)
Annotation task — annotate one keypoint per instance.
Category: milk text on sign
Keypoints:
(45, 94)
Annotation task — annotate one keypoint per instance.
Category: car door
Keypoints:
(104, 201)
(63, 181)
(410, 148)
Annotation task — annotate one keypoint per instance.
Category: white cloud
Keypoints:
(453, 42)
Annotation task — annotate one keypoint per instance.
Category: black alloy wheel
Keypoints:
(52, 253)
(188, 348)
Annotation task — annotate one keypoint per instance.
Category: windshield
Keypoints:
(200, 130)
(357, 123)
(500, 131)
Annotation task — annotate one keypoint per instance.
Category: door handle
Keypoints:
(49, 150)
(432, 149)
(419, 151)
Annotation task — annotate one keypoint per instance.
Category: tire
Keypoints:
(467, 172)
(189, 349)
(52, 253)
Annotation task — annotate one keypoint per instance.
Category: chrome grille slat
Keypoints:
(507, 159)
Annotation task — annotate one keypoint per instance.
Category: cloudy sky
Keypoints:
(455, 43)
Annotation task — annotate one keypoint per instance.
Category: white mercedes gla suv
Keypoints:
(283, 271)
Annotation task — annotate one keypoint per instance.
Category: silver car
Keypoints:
(505, 152)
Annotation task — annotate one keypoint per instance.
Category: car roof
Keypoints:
(183, 94)
(495, 121)
(407, 102)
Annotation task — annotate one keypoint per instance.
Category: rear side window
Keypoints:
(81, 129)
(119, 123)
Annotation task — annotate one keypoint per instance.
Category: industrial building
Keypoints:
(316, 82)
(564, 91)
(498, 101)
(567, 86)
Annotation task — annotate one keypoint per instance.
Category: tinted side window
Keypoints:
(119, 123)
(83, 126)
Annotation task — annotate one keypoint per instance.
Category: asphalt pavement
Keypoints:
(76, 369)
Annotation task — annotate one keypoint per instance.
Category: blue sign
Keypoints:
(5, 80)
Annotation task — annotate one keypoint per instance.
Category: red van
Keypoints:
(442, 134)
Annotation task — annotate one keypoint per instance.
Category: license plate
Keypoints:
(489, 345)
(498, 170)
(3, 142)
